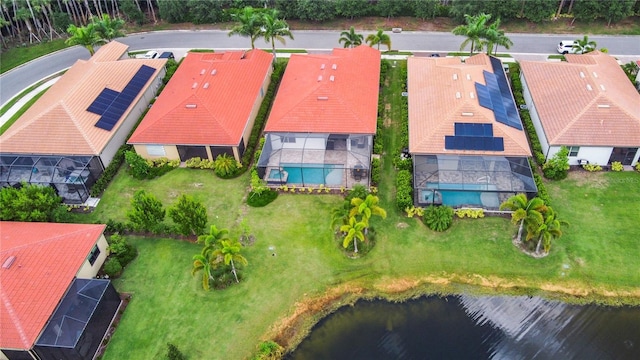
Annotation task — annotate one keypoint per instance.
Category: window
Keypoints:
(573, 151)
(288, 139)
(94, 254)
(155, 150)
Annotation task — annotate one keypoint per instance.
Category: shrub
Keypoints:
(121, 249)
(542, 189)
(592, 167)
(375, 171)
(226, 166)
(617, 166)
(358, 191)
(262, 199)
(269, 350)
(470, 213)
(198, 163)
(146, 213)
(29, 202)
(110, 171)
(404, 190)
(112, 267)
(438, 218)
(173, 353)
(638, 166)
(189, 216)
(413, 211)
(114, 226)
(556, 168)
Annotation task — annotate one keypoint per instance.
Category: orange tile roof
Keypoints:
(47, 258)
(434, 105)
(59, 123)
(587, 100)
(208, 100)
(316, 98)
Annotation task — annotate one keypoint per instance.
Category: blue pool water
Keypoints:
(308, 174)
(457, 197)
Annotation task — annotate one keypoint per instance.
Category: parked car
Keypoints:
(568, 47)
(167, 55)
(148, 55)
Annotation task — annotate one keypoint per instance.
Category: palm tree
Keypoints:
(229, 251)
(366, 208)
(354, 230)
(214, 236)
(379, 38)
(549, 230)
(350, 38)
(340, 215)
(584, 45)
(86, 36)
(474, 30)
(524, 211)
(496, 37)
(249, 24)
(274, 29)
(108, 28)
(205, 261)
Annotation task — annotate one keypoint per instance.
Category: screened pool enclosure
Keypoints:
(70, 176)
(470, 181)
(311, 160)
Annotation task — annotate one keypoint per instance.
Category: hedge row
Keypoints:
(375, 171)
(263, 113)
(107, 175)
(404, 190)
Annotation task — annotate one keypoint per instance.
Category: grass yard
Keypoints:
(169, 304)
(15, 57)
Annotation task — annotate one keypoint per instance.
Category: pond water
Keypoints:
(467, 327)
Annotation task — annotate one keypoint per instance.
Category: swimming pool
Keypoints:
(452, 196)
(313, 174)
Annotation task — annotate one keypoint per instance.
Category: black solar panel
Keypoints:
(102, 102)
(496, 95)
(471, 129)
(473, 143)
(116, 108)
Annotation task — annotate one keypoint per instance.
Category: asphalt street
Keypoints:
(16, 80)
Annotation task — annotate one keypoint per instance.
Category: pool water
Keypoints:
(308, 174)
(457, 197)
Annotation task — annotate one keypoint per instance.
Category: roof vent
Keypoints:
(195, 85)
(602, 87)
(214, 71)
(332, 78)
(322, 67)
(458, 95)
(203, 71)
(468, 76)
(319, 77)
(471, 95)
(323, 98)
(8, 262)
(467, 114)
(206, 85)
(455, 76)
(191, 106)
(589, 87)
(595, 75)
(581, 74)
(334, 66)
(603, 106)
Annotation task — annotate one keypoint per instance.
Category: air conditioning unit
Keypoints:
(583, 162)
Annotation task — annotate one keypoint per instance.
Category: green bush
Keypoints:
(404, 190)
(617, 166)
(112, 267)
(226, 166)
(121, 249)
(542, 189)
(638, 166)
(107, 175)
(358, 191)
(269, 350)
(375, 171)
(173, 353)
(557, 167)
(198, 163)
(592, 167)
(263, 199)
(438, 218)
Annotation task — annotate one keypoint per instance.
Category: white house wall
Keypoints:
(595, 155)
(88, 271)
(535, 119)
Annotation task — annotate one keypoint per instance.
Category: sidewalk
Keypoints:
(20, 103)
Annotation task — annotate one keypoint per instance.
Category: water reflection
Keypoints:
(465, 327)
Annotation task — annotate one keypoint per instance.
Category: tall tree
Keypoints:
(354, 231)
(146, 212)
(205, 262)
(524, 211)
(274, 29)
(352, 8)
(474, 30)
(214, 236)
(189, 215)
(495, 37)
(350, 38)
(379, 38)
(85, 36)
(549, 230)
(366, 208)
(249, 24)
(229, 253)
(31, 202)
(108, 28)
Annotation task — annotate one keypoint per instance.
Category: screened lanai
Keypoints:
(311, 159)
(473, 181)
(71, 176)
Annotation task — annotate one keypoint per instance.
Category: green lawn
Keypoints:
(169, 305)
(15, 57)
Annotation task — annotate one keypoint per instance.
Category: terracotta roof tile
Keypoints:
(587, 100)
(441, 90)
(208, 100)
(47, 258)
(335, 93)
(59, 123)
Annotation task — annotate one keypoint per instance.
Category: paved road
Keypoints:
(15, 81)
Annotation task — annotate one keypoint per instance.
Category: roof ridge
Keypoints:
(575, 119)
(15, 319)
(85, 228)
(76, 123)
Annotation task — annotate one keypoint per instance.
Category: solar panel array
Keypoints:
(470, 136)
(496, 96)
(111, 105)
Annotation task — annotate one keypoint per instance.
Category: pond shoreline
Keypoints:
(295, 327)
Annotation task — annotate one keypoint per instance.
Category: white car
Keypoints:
(567, 47)
(148, 55)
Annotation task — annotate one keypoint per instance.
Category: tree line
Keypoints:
(32, 21)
